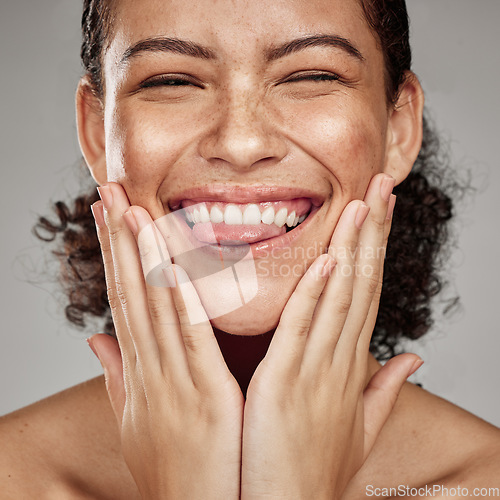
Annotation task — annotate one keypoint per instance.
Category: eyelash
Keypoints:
(169, 81)
(315, 77)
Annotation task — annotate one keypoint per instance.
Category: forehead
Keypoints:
(239, 26)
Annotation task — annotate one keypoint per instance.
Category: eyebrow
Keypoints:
(305, 42)
(162, 44)
(189, 48)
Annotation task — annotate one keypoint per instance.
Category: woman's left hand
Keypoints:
(310, 419)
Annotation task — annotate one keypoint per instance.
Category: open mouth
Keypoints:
(237, 224)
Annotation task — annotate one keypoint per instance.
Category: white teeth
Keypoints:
(251, 215)
(196, 216)
(204, 215)
(268, 216)
(281, 216)
(216, 215)
(290, 219)
(233, 215)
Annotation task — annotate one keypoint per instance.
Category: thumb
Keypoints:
(381, 394)
(108, 352)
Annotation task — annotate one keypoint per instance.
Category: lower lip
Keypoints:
(259, 249)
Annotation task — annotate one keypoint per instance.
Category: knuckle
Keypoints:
(373, 283)
(343, 303)
(193, 339)
(181, 309)
(377, 294)
(379, 223)
(115, 231)
(297, 321)
(312, 293)
(156, 309)
(302, 326)
(145, 252)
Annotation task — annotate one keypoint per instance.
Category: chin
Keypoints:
(248, 320)
(248, 306)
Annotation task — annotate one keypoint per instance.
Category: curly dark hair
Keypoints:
(417, 246)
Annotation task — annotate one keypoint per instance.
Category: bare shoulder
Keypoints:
(477, 477)
(479, 473)
(471, 444)
(429, 442)
(64, 446)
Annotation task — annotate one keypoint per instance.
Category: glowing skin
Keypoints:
(243, 119)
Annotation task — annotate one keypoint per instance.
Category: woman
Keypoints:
(308, 106)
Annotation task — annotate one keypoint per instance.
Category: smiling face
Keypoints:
(249, 101)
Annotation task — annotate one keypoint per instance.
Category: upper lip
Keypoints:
(232, 193)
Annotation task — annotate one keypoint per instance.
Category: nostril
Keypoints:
(242, 145)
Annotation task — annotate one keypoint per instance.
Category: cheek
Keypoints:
(347, 140)
(142, 147)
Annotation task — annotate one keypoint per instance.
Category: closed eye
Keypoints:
(168, 81)
(315, 77)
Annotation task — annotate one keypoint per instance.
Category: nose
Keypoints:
(242, 134)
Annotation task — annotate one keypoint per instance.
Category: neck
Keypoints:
(243, 354)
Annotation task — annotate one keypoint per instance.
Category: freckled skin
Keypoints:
(246, 126)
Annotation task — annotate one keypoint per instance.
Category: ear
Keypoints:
(90, 125)
(404, 134)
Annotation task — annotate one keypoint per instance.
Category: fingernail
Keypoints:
(98, 213)
(171, 274)
(328, 266)
(418, 363)
(386, 187)
(106, 196)
(91, 345)
(90, 342)
(361, 215)
(141, 218)
(390, 208)
(322, 266)
(131, 221)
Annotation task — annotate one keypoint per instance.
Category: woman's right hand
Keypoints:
(178, 407)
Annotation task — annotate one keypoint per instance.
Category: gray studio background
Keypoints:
(456, 55)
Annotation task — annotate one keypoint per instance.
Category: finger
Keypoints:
(126, 344)
(381, 394)
(286, 350)
(335, 303)
(369, 264)
(154, 253)
(206, 363)
(367, 331)
(108, 352)
(128, 277)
